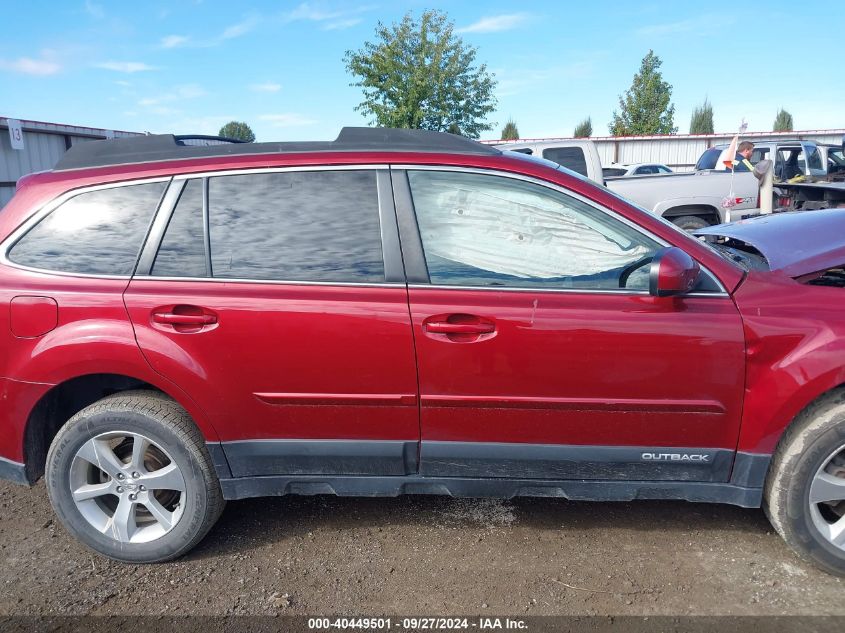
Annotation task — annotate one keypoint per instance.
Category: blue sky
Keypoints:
(190, 66)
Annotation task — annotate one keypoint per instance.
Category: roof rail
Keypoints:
(165, 147)
(181, 138)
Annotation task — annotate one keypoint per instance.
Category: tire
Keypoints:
(808, 466)
(690, 222)
(99, 491)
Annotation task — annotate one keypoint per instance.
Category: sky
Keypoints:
(188, 67)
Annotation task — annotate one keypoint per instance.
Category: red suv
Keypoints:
(405, 312)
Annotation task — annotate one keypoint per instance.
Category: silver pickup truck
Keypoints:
(691, 200)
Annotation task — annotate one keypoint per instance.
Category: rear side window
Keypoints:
(96, 232)
(296, 226)
(569, 157)
(182, 251)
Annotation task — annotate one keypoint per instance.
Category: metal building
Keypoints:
(41, 146)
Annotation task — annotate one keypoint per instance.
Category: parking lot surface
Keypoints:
(426, 556)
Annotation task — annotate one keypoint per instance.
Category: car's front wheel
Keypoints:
(130, 476)
(805, 488)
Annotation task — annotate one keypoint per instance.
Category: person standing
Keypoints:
(743, 156)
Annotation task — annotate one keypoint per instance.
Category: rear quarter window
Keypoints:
(95, 232)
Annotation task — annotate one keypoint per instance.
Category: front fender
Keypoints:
(795, 349)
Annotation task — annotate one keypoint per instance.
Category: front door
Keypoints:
(541, 353)
(276, 300)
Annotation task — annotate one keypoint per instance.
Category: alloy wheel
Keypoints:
(127, 487)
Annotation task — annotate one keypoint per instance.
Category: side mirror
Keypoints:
(672, 273)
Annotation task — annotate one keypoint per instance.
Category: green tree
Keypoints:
(584, 129)
(238, 130)
(702, 119)
(419, 74)
(783, 122)
(645, 107)
(509, 132)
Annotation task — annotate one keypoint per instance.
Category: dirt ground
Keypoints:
(426, 556)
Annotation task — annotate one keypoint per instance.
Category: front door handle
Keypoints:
(444, 327)
(459, 327)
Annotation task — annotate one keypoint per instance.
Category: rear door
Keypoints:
(276, 299)
(541, 353)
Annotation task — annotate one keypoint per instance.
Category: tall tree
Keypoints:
(237, 130)
(702, 119)
(419, 74)
(584, 129)
(510, 132)
(783, 122)
(645, 107)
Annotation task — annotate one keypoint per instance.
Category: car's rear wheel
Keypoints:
(130, 476)
(805, 489)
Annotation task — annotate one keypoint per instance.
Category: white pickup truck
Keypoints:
(691, 200)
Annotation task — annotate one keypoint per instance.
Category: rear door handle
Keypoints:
(171, 318)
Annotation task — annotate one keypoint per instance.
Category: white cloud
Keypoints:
(495, 23)
(94, 10)
(708, 24)
(125, 67)
(287, 119)
(241, 28)
(267, 86)
(180, 93)
(335, 19)
(174, 41)
(236, 30)
(339, 25)
(29, 66)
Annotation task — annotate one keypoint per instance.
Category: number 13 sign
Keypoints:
(15, 133)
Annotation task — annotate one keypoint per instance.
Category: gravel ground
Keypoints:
(425, 556)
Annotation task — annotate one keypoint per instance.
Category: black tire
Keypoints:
(163, 422)
(808, 445)
(690, 222)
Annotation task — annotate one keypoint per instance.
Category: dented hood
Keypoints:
(796, 243)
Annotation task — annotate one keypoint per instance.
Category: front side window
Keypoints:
(482, 230)
(296, 226)
(96, 232)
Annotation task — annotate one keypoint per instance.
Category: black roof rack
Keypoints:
(161, 147)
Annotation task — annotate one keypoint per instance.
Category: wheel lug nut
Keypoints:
(121, 476)
(136, 475)
(132, 496)
(120, 489)
(143, 488)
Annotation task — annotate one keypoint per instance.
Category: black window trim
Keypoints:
(20, 232)
(409, 234)
(394, 272)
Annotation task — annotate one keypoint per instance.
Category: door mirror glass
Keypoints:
(672, 273)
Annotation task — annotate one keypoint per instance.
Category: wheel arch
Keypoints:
(672, 209)
(66, 398)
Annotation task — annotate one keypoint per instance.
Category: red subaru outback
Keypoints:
(405, 312)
